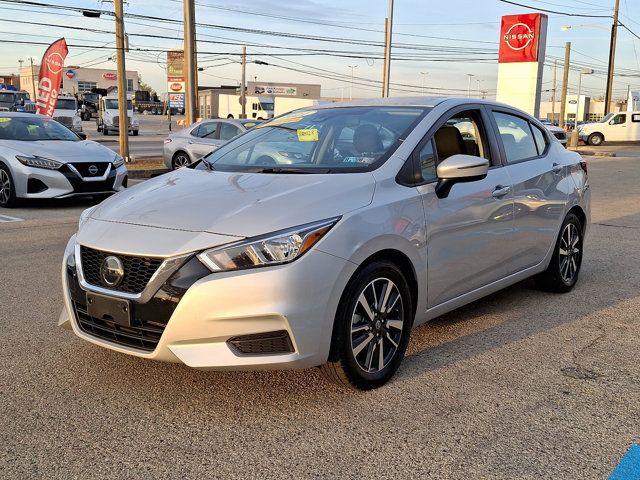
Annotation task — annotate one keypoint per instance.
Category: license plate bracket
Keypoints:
(116, 310)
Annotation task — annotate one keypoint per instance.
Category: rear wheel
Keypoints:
(562, 273)
(595, 139)
(105, 131)
(372, 328)
(135, 133)
(7, 188)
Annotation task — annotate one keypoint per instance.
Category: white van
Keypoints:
(614, 127)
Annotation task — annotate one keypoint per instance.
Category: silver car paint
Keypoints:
(377, 214)
(193, 146)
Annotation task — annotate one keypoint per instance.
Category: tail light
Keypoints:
(583, 166)
(167, 140)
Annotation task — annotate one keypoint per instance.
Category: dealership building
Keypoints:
(588, 109)
(77, 79)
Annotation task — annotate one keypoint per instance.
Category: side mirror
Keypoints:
(22, 102)
(81, 135)
(458, 169)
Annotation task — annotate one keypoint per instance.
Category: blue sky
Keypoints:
(467, 26)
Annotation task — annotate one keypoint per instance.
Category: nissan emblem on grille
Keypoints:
(111, 271)
(93, 169)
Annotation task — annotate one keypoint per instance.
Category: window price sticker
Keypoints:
(308, 135)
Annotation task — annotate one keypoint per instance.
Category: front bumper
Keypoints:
(41, 183)
(300, 299)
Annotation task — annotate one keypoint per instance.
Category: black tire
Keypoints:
(562, 273)
(355, 333)
(7, 197)
(595, 139)
(178, 160)
(105, 131)
(135, 133)
(229, 116)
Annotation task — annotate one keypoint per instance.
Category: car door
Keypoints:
(540, 186)
(468, 232)
(617, 130)
(204, 139)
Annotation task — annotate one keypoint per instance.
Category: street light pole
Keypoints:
(612, 56)
(574, 134)
(352, 67)
(469, 85)
(243, 86)
(123, 127)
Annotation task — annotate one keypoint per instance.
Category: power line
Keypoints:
(554, 11)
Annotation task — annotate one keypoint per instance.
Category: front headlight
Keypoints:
(38, 162)
(117, 161)
(274, 249)
(84, 216)
(77, 121)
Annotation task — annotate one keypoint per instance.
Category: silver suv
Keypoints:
(384, 215)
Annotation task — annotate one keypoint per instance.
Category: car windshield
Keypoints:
(112, 104)
(607, 117)
(329, 140)
(7, 98)
(66, 104)
(34, 128)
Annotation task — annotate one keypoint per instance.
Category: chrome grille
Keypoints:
(560, 135)
(66, 121)
(116, 121)
(137, 270)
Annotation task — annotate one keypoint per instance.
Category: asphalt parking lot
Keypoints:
(522, 384)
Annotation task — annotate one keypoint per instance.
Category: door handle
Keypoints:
(500, 191)
(556, 168)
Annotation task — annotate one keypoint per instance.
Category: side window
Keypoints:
(635, 117)
(461, 134)
(228, 131)
(516, 136)
(540, 138)
(618, 119)
(208, 130)
(428, 162)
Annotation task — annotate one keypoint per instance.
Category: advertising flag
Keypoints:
(50, 77)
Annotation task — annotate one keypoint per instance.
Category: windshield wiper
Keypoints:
(289, 170)
(207, 164)
(278, 126)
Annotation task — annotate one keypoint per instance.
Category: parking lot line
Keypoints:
(7, 218)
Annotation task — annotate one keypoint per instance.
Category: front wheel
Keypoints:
(7, 188)
(595, 139)
(135, 133)
(105, 131)
(180, 159)
(564, 268)
(372, 328)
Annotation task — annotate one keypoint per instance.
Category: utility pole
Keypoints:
(243, 86)
(387, 52)
(565, 81)
(33, 80)
(553, 92)
(123, 127)
(384, 55)
(612, 56)
(190, 100)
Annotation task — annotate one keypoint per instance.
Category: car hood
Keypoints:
(63, 151)
(237, 204)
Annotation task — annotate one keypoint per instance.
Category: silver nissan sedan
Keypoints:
(392, 213)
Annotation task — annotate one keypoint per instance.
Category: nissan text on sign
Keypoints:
(521, 60)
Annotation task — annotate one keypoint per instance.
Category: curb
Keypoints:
(594, 153)
(145, 174)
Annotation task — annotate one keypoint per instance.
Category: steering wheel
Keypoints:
(265, 160)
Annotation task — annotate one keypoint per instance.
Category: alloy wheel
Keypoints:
(569, 251)
(181, 160)
(376, 325)
(5, 187)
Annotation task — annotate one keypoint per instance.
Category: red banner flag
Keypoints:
(50, 77)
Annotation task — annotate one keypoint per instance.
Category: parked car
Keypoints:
(614, 127)
(556, 131)
(41, 158)
(189, 144)
(241, 262)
